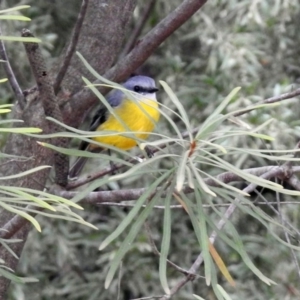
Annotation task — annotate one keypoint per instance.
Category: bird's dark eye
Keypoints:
(137, 88)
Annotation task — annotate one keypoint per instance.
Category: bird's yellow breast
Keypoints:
(140, 117)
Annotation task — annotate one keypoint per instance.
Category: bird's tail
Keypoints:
(81, 161)
(77, 166)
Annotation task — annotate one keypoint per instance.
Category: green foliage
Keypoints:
(21, 201)
(251, 44)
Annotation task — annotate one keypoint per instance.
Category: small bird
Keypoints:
(137, 116)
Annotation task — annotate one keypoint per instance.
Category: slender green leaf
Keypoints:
(198, 297)
(40, 202)
(81, 153)
(227, 186)
(214, 145)
(135, 168)
(223, 292)
(185, 118)
(225, 102)
(33, 170)
(238, 246)
(4, 111)
(6, 105)
(201, 181)
(21, 130)
(123, 225)
(2, 11)
(4, 244)
(68, 215)
(14, 17)
(165, 244)
(51, 197)
(20, 39)
(126, 244)
(214, 282)
(247, 260)
(12, 277)
(203, 236)
(199, 234)
(215, 118)
(26, 216)
(247, 176)
(180, 178)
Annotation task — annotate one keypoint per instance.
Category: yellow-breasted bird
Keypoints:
(138, 116)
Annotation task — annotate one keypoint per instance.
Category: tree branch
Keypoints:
(207, 206)
(140, 53)
(273, 100)
(71, 48)
(138, 28)
(50, 104)
(11, 76)
(134, 194)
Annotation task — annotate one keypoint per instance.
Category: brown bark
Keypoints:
(100, 43)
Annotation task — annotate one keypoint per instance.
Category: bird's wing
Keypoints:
(114, 99)
(99, 118)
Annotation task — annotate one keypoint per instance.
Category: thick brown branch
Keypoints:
(85, 98)
(50, 104)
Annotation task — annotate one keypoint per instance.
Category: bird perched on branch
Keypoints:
(137, 114)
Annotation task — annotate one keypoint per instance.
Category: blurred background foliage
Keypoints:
(252, 44)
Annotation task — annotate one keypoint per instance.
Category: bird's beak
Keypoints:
(154, 90)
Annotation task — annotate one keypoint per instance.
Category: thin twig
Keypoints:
(11, 76)
(156, 252)
(71, 48)
(147, 298)
(271, 206)
(274, 99)
(138, 29)
(206, 206)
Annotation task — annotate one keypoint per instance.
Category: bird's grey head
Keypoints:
(142, 85)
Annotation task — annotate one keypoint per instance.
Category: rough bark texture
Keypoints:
(100, 42)
(35, 156)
